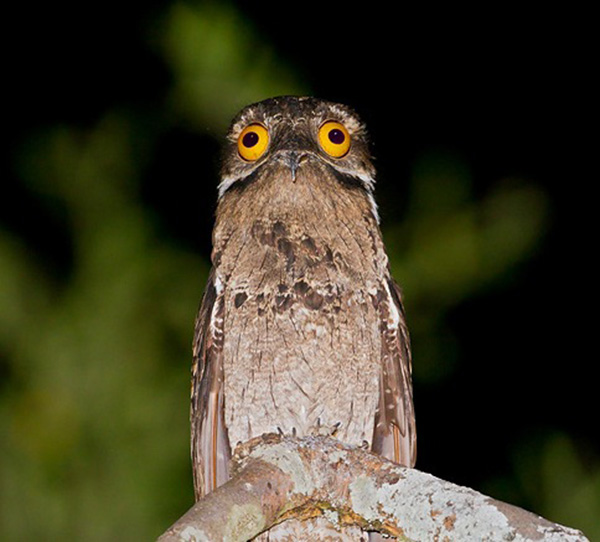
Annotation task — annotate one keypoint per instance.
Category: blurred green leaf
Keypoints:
(453, 245)
(570, 491)
(221, 64)
(555, 479)
(105, 364)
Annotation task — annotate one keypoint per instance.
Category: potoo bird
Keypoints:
(301, 327)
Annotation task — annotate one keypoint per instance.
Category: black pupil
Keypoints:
(336, 136)
(250, 139)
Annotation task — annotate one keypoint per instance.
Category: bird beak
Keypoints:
(293, 160)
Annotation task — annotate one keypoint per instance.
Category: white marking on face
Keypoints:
(225, 184)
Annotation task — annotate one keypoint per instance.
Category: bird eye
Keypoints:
(334, 139)
(253, 142)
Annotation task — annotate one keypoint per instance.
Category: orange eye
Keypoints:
(253, 142)
(334, 139)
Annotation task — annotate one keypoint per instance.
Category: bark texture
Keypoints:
(275, 478)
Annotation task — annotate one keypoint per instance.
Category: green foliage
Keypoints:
(220, 64)
(558, 480)
(100, 363)
(452, 246)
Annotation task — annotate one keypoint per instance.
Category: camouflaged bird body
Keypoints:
(301, 328)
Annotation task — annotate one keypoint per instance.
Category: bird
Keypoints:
(301, 328)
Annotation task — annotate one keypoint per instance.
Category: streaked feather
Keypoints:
(210, 444)
(395, 432)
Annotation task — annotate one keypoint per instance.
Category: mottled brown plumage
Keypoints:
(301, 327)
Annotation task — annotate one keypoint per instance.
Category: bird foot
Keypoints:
(320, 430)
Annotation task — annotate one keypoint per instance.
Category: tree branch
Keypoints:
(275, 478)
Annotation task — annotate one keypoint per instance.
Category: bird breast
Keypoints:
(299, 263)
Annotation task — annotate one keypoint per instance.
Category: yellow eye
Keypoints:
(253, 142)
(334, 139)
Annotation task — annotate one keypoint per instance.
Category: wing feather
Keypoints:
(394, 435)
(211, 450)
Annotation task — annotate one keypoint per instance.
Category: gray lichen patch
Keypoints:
(193, 534)
(458, 513)
(244, 519)
(364, 498)
(290, 463)
(336, 456)
(454, 512)
(332, 516)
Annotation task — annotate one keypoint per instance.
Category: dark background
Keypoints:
(476, 121)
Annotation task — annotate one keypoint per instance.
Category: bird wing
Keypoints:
(210, 444)
(394, 435)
